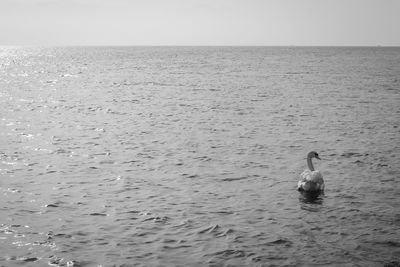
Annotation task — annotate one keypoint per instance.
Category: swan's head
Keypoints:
(313, 154)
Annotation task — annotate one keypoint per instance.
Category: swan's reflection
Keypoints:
(311, 197)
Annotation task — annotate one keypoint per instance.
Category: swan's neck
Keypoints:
(310, 165)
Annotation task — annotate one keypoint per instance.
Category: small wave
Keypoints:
(12, 190)
(209, 229)
(234, 179)
(68, 75)
(176, 247)
(109, 161)
(223, 212)
(225, 233)
(392, 264)
(57, 261)
(61, 151)
(24, 259)
(133, 211)
(157, 219)
(230, 253)
(216, 231)
(98, 214)
(389, 243)
(52, 81)
(190, 176)
(33, 259)
(52, 206)
(267, 258)
(185, 223)
(353, 154)
(281, 241)
(63, 235)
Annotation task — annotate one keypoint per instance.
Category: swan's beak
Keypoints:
(317, 157)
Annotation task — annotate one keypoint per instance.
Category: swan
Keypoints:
(311, 180)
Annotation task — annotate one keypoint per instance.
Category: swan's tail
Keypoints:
(309, 186)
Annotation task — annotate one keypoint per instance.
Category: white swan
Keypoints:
(311, 180)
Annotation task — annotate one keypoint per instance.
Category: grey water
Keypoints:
(190, 156)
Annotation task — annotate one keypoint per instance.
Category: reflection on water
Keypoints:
(311, 197)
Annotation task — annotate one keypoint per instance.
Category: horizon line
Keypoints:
(184, 45)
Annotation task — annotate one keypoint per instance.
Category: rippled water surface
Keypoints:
(185, 156)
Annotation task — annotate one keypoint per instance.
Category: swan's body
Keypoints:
(311, 180)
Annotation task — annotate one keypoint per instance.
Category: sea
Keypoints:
(190, 156)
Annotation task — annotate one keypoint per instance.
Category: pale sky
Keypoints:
(200, 22)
